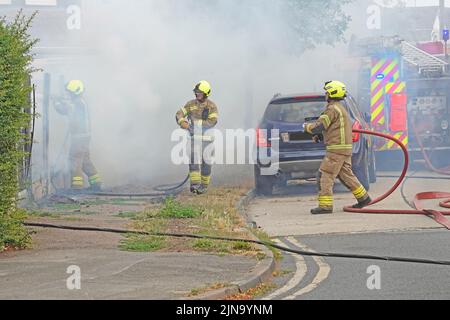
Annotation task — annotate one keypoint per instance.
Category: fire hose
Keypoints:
(161, 191)
(444, 171)
(439, 216)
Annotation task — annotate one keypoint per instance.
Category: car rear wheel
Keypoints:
(263, 184)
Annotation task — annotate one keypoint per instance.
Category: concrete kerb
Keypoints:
(261, 273)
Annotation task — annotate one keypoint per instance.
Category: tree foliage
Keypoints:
(304, 23)
(316, 22)
(15, 72)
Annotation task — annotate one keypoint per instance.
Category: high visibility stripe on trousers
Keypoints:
(326, 201)
(95, 179)
(360, 193)
(77, 182)
(206, 180)
(196, 178)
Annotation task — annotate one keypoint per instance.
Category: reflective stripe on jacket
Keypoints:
(337, 129)
(200, 115)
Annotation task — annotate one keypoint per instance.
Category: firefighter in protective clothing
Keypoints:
(75, 108)
(198, 116)
(335, 124)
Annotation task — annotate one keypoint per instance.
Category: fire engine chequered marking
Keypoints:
(390, 69)
(385, 70)
(394, 87)
(380, 119)
(402, 136)
(389, 72)
(397, 75)
(381, 65)
(390, 144)
(377, 109)
(378, 101)
(379, 116)
(377, 97)
(388, 66)
(378, 112)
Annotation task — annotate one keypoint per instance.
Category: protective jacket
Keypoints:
(335, 124)
(199, 115)
(79, 120)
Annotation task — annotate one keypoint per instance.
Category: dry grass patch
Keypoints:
(211, 215)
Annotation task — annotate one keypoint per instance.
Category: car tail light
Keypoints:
(356, 135)
(262, 139)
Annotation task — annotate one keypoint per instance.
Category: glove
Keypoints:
(184, 125)
(316, 139)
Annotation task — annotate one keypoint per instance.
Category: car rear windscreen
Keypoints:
(295, 111)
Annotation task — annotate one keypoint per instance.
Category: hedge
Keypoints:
(15, 90)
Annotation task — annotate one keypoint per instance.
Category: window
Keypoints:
(295, 112)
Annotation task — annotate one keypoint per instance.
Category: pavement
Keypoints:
(288, 213)
(112, 274)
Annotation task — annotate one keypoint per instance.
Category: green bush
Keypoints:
(15, 90)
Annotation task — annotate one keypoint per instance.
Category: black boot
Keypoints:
(363, 203)
(322, 211)
(194, 189)
(202, 190)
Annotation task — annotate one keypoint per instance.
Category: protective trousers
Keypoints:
(80, 161)
(338, 166)
(200, 163)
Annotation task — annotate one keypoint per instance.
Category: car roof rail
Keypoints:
(277, 95)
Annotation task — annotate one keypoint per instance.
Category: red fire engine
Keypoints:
(405, 87)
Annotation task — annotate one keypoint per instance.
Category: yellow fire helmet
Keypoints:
(336, 89)
(203, 87)
(76, 87)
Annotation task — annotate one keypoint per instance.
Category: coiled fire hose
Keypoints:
(439, 216)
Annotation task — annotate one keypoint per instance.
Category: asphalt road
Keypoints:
(286, 217)
(351, 279)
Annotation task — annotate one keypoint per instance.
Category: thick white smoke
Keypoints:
(147, 56)
(144, 58)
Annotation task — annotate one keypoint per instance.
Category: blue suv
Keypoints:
(299, 156)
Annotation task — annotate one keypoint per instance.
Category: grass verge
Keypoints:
(213, 215)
